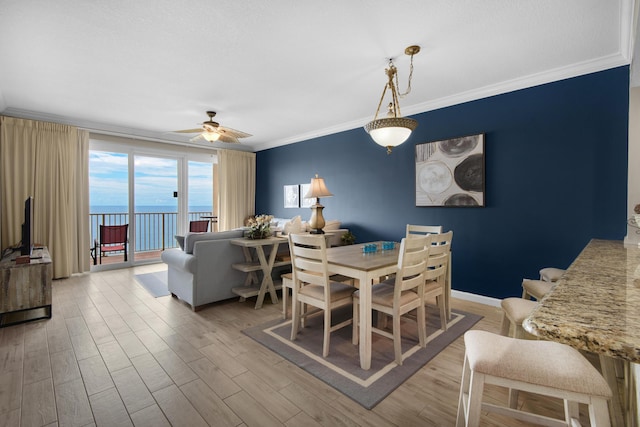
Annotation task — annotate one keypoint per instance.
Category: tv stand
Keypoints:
(25, 289)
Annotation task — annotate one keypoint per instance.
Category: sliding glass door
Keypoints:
(155, 205)
(155, 189)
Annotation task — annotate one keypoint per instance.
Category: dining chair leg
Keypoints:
(356, 323)
(327, 332)
(422, 327)
(295, 318)
(397, 339)
(440, 301)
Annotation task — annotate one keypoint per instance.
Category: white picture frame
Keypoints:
(291, 196)
(305, 203)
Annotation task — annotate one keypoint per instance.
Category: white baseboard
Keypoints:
(494, 302)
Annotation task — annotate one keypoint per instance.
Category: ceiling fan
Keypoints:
(212, 131)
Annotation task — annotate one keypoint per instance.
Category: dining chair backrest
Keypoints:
(421, 230)
(309, 259)
(412, 262)
(199, 226)
(438, 256)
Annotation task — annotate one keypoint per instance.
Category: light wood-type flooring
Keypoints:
(112, 355)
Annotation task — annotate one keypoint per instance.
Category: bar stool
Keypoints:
(514, 311)
(535, 288)
(514, 363)
(551, 274)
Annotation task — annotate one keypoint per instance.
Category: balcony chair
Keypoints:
(113, 238)
(199, 226)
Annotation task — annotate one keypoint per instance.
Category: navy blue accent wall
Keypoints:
(555, 174)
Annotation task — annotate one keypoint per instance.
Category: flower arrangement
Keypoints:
(259, 227)
(636, 209)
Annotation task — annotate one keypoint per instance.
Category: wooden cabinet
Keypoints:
(25, 289)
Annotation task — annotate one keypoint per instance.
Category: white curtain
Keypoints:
(51, 163)
(237, 188)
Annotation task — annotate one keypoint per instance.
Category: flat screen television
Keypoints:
(27, 228)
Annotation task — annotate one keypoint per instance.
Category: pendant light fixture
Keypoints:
(394, 129)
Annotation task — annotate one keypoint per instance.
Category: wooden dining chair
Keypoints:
(421, 230)
(399, 296)
(312, 285)
(113, 238)
(436, 274)
(199, 226)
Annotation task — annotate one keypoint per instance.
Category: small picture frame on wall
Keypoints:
(291, 196)
(305, 203)
(450, 172)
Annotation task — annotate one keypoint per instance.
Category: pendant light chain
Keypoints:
(402, 95)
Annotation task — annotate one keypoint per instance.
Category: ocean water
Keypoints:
(156, 226)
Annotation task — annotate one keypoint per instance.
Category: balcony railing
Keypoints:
(155, 231)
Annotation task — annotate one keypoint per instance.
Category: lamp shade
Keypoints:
(391, 131)
(317, 189)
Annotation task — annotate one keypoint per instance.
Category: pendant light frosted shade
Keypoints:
(390, 131)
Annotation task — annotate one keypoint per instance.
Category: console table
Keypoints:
(25, 289)
(251, 266)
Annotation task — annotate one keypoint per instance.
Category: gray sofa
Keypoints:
(201, 273)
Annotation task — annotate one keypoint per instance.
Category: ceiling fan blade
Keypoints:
(235, 133)
(196, 138)
(188, 130)
(225, 137)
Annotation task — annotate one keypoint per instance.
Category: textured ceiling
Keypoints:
(286, 70)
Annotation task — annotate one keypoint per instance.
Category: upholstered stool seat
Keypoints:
(535, 288)
(509, 362)
(551, 274)
(515, 310)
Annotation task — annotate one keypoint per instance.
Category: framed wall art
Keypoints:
(451, 172)
(291, 196)
(305, 203)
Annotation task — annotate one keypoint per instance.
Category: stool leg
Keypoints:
(599, 413)
(464, 393)
(476, 388)
(571, 411)
(506, 325)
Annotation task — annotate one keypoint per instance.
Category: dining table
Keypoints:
(595, 307)
(365, 267)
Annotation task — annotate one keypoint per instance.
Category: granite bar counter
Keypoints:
(595, 306)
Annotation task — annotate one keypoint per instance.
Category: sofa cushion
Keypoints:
(191, 238)
(332, 225)
(293, 226)
(180, 241)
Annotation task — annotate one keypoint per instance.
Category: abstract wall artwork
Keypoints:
(291, 196)
(451, 172)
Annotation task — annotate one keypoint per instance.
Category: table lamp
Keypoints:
(317, 189)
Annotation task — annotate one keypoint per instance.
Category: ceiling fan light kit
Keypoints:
(394, 129)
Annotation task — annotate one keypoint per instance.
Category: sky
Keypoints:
(155, 181)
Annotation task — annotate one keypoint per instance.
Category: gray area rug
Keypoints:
(341, 369)
(154, 283)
